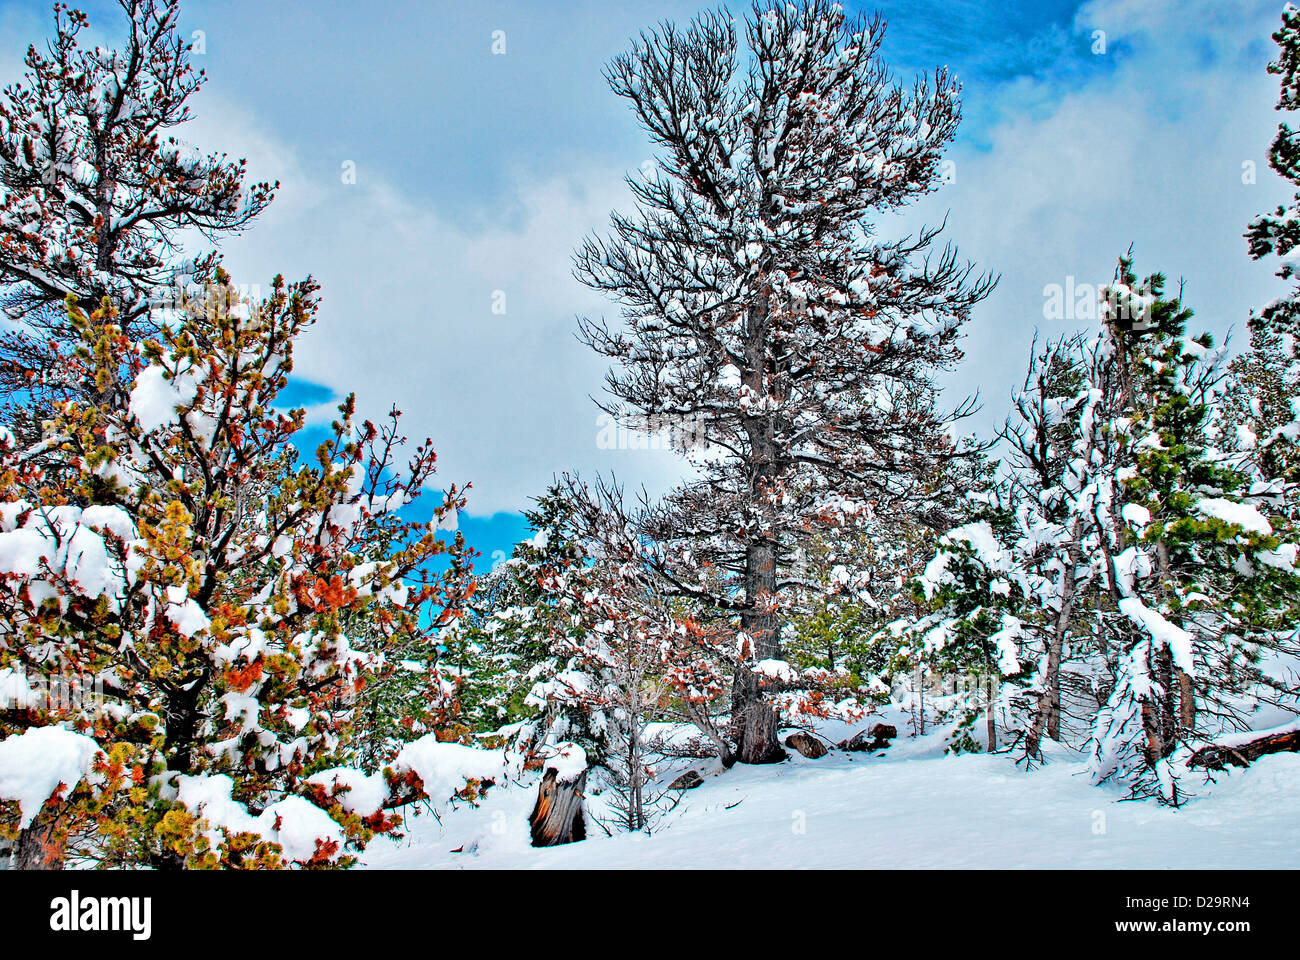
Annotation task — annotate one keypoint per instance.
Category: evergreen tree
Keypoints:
(1278, 233)
(1270, 370)
(186, 564)
(95, 192)
(516, 654)
(1052, 439)
(970, 641)
(1191, 564)
(762, 310)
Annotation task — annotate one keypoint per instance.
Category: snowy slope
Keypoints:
(914, 808)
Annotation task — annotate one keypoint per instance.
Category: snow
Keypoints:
(294, 823)
(1178, 640)
(209, 797)
(979, 536)
(912, 808)
(1004, 641)
(568, 760)
(935, 571)
(776, 669)
(1135, 515)
(68, 543)
(22, 552)
(1283, 558)
(301, 824)
(15, 692)
(1241, 514)
(184, 613)
(444, 767)
(33, 764)
(155, 398)
(1245, 736)
(364, 795)
(1131, 565)
(110, 519)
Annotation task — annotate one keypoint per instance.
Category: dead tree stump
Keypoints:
(687, 781)
(558, 815)
(41, 845)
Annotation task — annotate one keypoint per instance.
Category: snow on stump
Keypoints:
(558, 816)
(877, 738)
(806, 744)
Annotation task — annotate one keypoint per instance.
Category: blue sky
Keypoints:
(476, 174)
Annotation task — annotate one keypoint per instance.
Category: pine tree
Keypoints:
(190, 566)
(516, 658)
(415, 689)
(1271, 367)
(623, 654)
(1050, 486)
(762, 310)
(971, 639)
(1132, 546)
(95, 192)
(1278, 233)
(1191, 565)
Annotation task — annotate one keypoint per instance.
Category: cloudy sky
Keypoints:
(476, 173)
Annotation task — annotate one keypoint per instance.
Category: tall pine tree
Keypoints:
(762, 309)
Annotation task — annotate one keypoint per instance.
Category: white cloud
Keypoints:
(407, 315)
(1149, 153)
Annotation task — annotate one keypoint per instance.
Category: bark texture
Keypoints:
(558, 816)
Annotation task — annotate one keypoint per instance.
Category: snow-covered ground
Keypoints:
(913, 807)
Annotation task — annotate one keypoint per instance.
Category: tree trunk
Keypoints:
(558, 816)
(920, 699)
(754, 718)
(41, 845)
(755, 721)
(1186, 701)
(1167, 708)
(635, 764)
(1047, 718)
(992, 719)
(181, 715)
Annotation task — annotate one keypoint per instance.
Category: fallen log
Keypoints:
(877, 738)
(558, 816)
(1242, 751)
